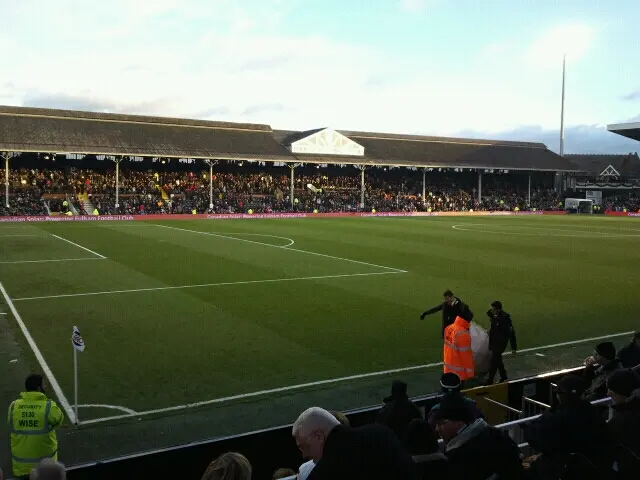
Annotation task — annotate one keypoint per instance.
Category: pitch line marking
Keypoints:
(43, 364)
(585, 234)
(79, 246)
(53, 260)
(22, 235)
(334, 380)
(202, 285)
(112, 407)
(283, 247)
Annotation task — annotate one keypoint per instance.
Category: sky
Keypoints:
(471, 68)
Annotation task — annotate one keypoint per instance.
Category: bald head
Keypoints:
(49, 469)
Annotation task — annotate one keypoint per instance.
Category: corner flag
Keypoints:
(76, 339)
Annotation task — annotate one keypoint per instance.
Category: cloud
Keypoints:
(547, 50)
(265, 108)
(632, 96)
(594, 139)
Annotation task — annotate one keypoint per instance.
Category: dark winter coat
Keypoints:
(501, 332)
(629, 355)
(450, 312)
(397, 414)
(433, 466)
(598, 377)
(624, 423)
(370, 452)
(474, 411)
(481, 451)
(571, 428)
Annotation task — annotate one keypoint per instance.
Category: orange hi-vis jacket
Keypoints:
(458, 356)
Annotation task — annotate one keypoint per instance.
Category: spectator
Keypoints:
(501, 332)
(629, 355)
(33, 419)
(572, 426)
(305, 468)
(451, 308)
(624, 389)
(476, 450)
(399, 409)
(422, 444)
(368, 452)
(49, 469)
(229, 466)
(283, 473)
(452, 387)
(598, 368)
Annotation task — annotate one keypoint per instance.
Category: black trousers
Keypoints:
(496, 365)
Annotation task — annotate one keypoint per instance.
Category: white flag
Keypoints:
(76, 339)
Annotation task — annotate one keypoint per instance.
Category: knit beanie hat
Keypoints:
(623, 382)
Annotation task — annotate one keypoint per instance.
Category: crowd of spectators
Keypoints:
(238, 191)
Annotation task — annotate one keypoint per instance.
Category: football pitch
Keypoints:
(184, 314)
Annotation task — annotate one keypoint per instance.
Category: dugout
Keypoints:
(578, 205)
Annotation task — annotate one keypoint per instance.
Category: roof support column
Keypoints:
(424, 186)
(362, 168)
(479, 189)
(6, 156)
(529, 192)
(211, 163)
(117, 159)
(293, 166)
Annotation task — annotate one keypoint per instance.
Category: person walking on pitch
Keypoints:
(501, 332)
(451, 308)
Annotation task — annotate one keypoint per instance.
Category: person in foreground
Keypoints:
(422, 444)
(339, 452)
(476, 450)
(32, 421)
(49, 469)
(229, 466)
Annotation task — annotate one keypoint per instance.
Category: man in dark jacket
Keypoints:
(422, 444)
(501, 332)
(451, 308)
(476, 450)
(399, 410)
(624, 424)
(363, 453)
(573, 426)
(597, 370)
(451, 386)
(629, 355)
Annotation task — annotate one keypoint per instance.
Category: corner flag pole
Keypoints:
(78, 346)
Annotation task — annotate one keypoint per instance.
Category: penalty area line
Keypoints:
(332, 380)
(285, 247)
(43, 363)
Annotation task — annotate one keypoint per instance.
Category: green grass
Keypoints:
(561, 278)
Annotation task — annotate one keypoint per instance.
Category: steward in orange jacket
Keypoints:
(458, 357)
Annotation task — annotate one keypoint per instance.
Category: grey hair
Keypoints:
(314, 418)
(49, 469)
